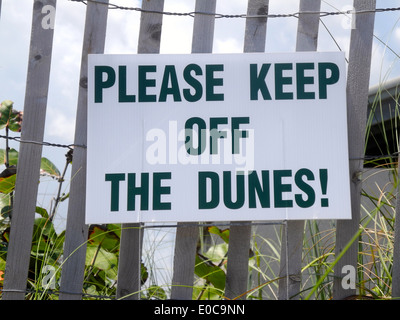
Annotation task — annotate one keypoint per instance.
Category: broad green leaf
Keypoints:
(43, 236)
(42, 212)
(116, 228)
(58, 245)
(112, 273)
(213, 274)
(4, 200)
(5, 113)
(47, 166)
(217, 252)
(2, 264)
(5, 211)
(100, 258)
(99, 235)
(5, 237)
(7, 185)
(9, 117)
(224, 234)
(15, 121)
(12, 156)
(91, 290)
(44, 227)
(144, 275)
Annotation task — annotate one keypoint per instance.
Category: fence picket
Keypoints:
(76, 233)
(239, 236)
(187, 236)
(129, 265)
(29, 159)
(396, 245)
(357, 99)
(293, 231)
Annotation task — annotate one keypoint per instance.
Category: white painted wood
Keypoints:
(76, 233)
(26, 188)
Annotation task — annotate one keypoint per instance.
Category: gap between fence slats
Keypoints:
(26, 186)
(358, 75)
(76, 234)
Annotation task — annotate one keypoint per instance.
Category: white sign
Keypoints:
(217, 137)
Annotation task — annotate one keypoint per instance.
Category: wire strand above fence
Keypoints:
(243, 15)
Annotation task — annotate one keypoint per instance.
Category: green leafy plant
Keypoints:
(47, 245)
(210, 267)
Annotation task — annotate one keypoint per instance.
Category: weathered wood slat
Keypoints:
(396, 246)
(293, 232)
(187, 236)
(239, 236)
(76, 233)
(358, 75)
(129, 264)
(184, 262)
(203, 27)
(29, 155)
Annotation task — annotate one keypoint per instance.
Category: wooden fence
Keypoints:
(128, 284)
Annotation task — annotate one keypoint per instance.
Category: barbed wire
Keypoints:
(114, 6)
(44, 143)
